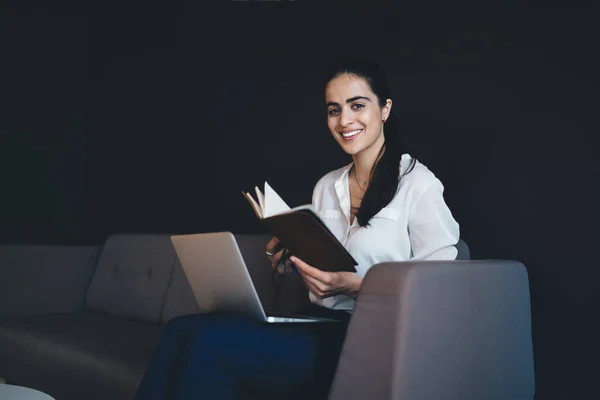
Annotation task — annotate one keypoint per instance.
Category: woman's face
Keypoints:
(354, 116)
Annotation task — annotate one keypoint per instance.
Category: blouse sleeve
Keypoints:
(432, 229)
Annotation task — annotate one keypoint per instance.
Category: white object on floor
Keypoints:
(12, 392)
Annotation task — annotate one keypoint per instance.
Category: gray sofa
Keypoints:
(81, 322)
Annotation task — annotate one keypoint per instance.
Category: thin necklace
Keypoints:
(357, 182)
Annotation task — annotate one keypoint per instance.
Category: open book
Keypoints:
(301, 231)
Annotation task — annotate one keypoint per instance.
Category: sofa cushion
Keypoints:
(132, 276)
(51, 279)
(76, 356)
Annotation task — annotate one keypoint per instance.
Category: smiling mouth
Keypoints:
(351, 134)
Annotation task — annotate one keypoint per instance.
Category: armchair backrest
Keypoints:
(464, 253)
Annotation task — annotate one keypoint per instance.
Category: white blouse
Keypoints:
(416, 225)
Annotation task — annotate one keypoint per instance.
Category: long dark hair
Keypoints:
(385, 174)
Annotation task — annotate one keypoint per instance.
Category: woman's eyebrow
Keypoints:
(350, 100)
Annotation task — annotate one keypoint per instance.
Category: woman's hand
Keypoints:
(326, 284)
(274, 252)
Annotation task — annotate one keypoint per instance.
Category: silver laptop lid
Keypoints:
(217, 273)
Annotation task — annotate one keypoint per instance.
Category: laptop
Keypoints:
(219, 278)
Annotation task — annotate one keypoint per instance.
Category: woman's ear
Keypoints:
(386, 110)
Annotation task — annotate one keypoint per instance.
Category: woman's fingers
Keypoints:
(275, 259)
(325, 277)
(272, 246)
(317, 287)
(284, 267)
(273, 251)
(321, 283)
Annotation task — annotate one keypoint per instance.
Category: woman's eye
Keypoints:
(357, 106)
(333, 111)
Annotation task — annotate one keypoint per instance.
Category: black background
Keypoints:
(153, 117)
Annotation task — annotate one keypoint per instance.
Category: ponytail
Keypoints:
(385, 175)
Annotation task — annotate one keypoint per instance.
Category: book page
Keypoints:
(257, 210)
(261, 199)
(273, 203)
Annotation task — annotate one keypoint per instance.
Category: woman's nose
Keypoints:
(345, 118)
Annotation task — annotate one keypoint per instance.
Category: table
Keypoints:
(12, 392)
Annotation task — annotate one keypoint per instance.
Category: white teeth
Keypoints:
(350, 134)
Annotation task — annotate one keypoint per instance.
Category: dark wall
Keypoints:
(154, 120)
(43, 116)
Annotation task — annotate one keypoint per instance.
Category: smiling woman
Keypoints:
(383, 206)
(359, 107)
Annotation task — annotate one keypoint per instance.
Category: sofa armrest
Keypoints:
(45, 279)
(439, 330)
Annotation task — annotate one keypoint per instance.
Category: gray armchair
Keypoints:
(439, 330)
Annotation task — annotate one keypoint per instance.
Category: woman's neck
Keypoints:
(364, 161)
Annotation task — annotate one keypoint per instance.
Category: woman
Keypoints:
(384, 206)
